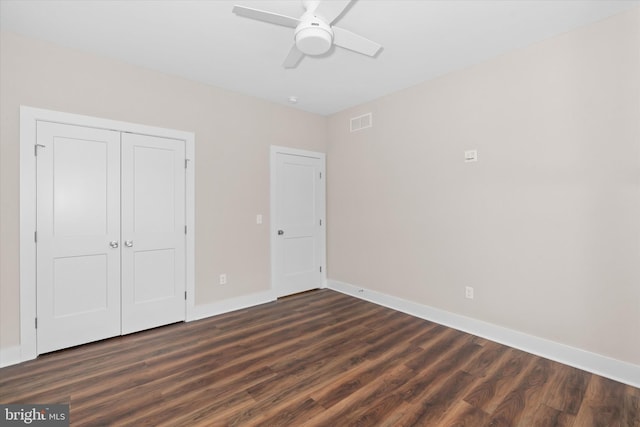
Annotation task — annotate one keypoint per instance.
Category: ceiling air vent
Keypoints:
(361, 122)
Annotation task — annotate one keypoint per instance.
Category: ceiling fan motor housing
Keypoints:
(313, 36)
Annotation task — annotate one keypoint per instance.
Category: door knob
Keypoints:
(113, 244)
(128, 243)
(280, 232)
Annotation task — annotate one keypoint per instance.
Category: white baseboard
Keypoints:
(592, 362)
(10, 356)
(233, 304)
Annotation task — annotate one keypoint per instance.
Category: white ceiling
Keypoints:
(203, 40)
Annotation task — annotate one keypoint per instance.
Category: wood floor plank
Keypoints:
(631, 410)
(461, 414)
(603, 404)
(368, 400)
(506, 372)
(433, 406)
(567, 393)
(546, 416)
(482, 364)
(523, 396)
(292, 415)
(439, 372)
(315, 359)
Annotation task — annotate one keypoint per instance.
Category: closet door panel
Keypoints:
(78, 232)
(153, 232)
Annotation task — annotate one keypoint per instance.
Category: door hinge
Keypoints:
(320, 269)
(35, 236)
(320, 175)
(320, 222)
(186, 163)
(185, 229)
(185, 295)
(36, 323)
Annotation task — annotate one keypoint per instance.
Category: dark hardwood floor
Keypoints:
(316, 359)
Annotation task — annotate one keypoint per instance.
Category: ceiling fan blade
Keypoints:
(262, 15)
(293, 58)
(352, 41)
(330, 10)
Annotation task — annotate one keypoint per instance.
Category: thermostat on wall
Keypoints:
(471, 156)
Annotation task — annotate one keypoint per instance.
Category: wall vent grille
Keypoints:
(361, 122)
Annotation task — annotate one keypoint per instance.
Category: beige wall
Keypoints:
(545, 227)
(233, 135)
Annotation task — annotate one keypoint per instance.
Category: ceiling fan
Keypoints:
(314, 35)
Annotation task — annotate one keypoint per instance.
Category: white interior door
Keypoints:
(78, 230)
(298, 201)
(153, 232)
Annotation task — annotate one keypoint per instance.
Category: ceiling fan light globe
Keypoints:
(313, 37)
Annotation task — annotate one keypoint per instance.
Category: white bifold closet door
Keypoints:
(153, 221)
(110, 234)
(78, 223)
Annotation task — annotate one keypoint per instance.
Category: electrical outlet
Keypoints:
(223, 279)
(468, 292)
(259, 219)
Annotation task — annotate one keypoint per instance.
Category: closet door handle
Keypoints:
(114, 244)
(128, 243)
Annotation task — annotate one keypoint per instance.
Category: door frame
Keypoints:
(273, 227)
(29, 116)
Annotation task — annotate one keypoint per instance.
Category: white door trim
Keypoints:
(273, 227)
(29, 116)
